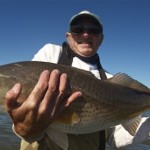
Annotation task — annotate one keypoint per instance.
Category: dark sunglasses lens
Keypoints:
(93, 30)
(77, 29)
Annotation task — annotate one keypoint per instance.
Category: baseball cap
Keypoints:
(86, 13)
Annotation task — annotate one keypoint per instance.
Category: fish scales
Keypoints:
(104, 103)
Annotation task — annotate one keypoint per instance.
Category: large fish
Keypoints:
(104, 103)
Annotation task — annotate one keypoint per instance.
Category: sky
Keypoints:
(27, 25)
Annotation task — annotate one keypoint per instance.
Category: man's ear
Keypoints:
(68, 36)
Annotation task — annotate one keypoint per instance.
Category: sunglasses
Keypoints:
(80, 29)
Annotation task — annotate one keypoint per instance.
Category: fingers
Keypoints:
(39, 90)
(63, 83)
(72, 98)
(62, 96)
(56, 85)
(63, 100)
(12, 96)
(63, 88)
(56, 96)
(52, 91)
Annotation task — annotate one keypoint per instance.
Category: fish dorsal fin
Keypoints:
(125, 80)
(132, 125)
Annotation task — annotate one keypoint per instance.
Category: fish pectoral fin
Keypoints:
(68, 117)
(125, 80)
(132, 125)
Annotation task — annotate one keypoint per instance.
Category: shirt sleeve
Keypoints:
(48, 53)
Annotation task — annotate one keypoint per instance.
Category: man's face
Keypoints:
(84, 43)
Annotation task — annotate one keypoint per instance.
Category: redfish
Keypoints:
(104, 103)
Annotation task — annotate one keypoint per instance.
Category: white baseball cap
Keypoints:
(86, 13)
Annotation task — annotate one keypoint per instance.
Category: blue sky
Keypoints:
(27, 25)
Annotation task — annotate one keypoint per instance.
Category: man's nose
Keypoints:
(85, 34)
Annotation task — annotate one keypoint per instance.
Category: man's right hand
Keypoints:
(45, 103)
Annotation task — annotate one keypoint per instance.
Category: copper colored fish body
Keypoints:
(104, 103)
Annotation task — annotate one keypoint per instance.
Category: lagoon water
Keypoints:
(9, 141)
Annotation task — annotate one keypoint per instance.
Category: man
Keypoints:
(48, 99)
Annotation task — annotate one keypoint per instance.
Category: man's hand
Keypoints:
(45, 103)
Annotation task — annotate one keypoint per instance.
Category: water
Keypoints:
(9, 141)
